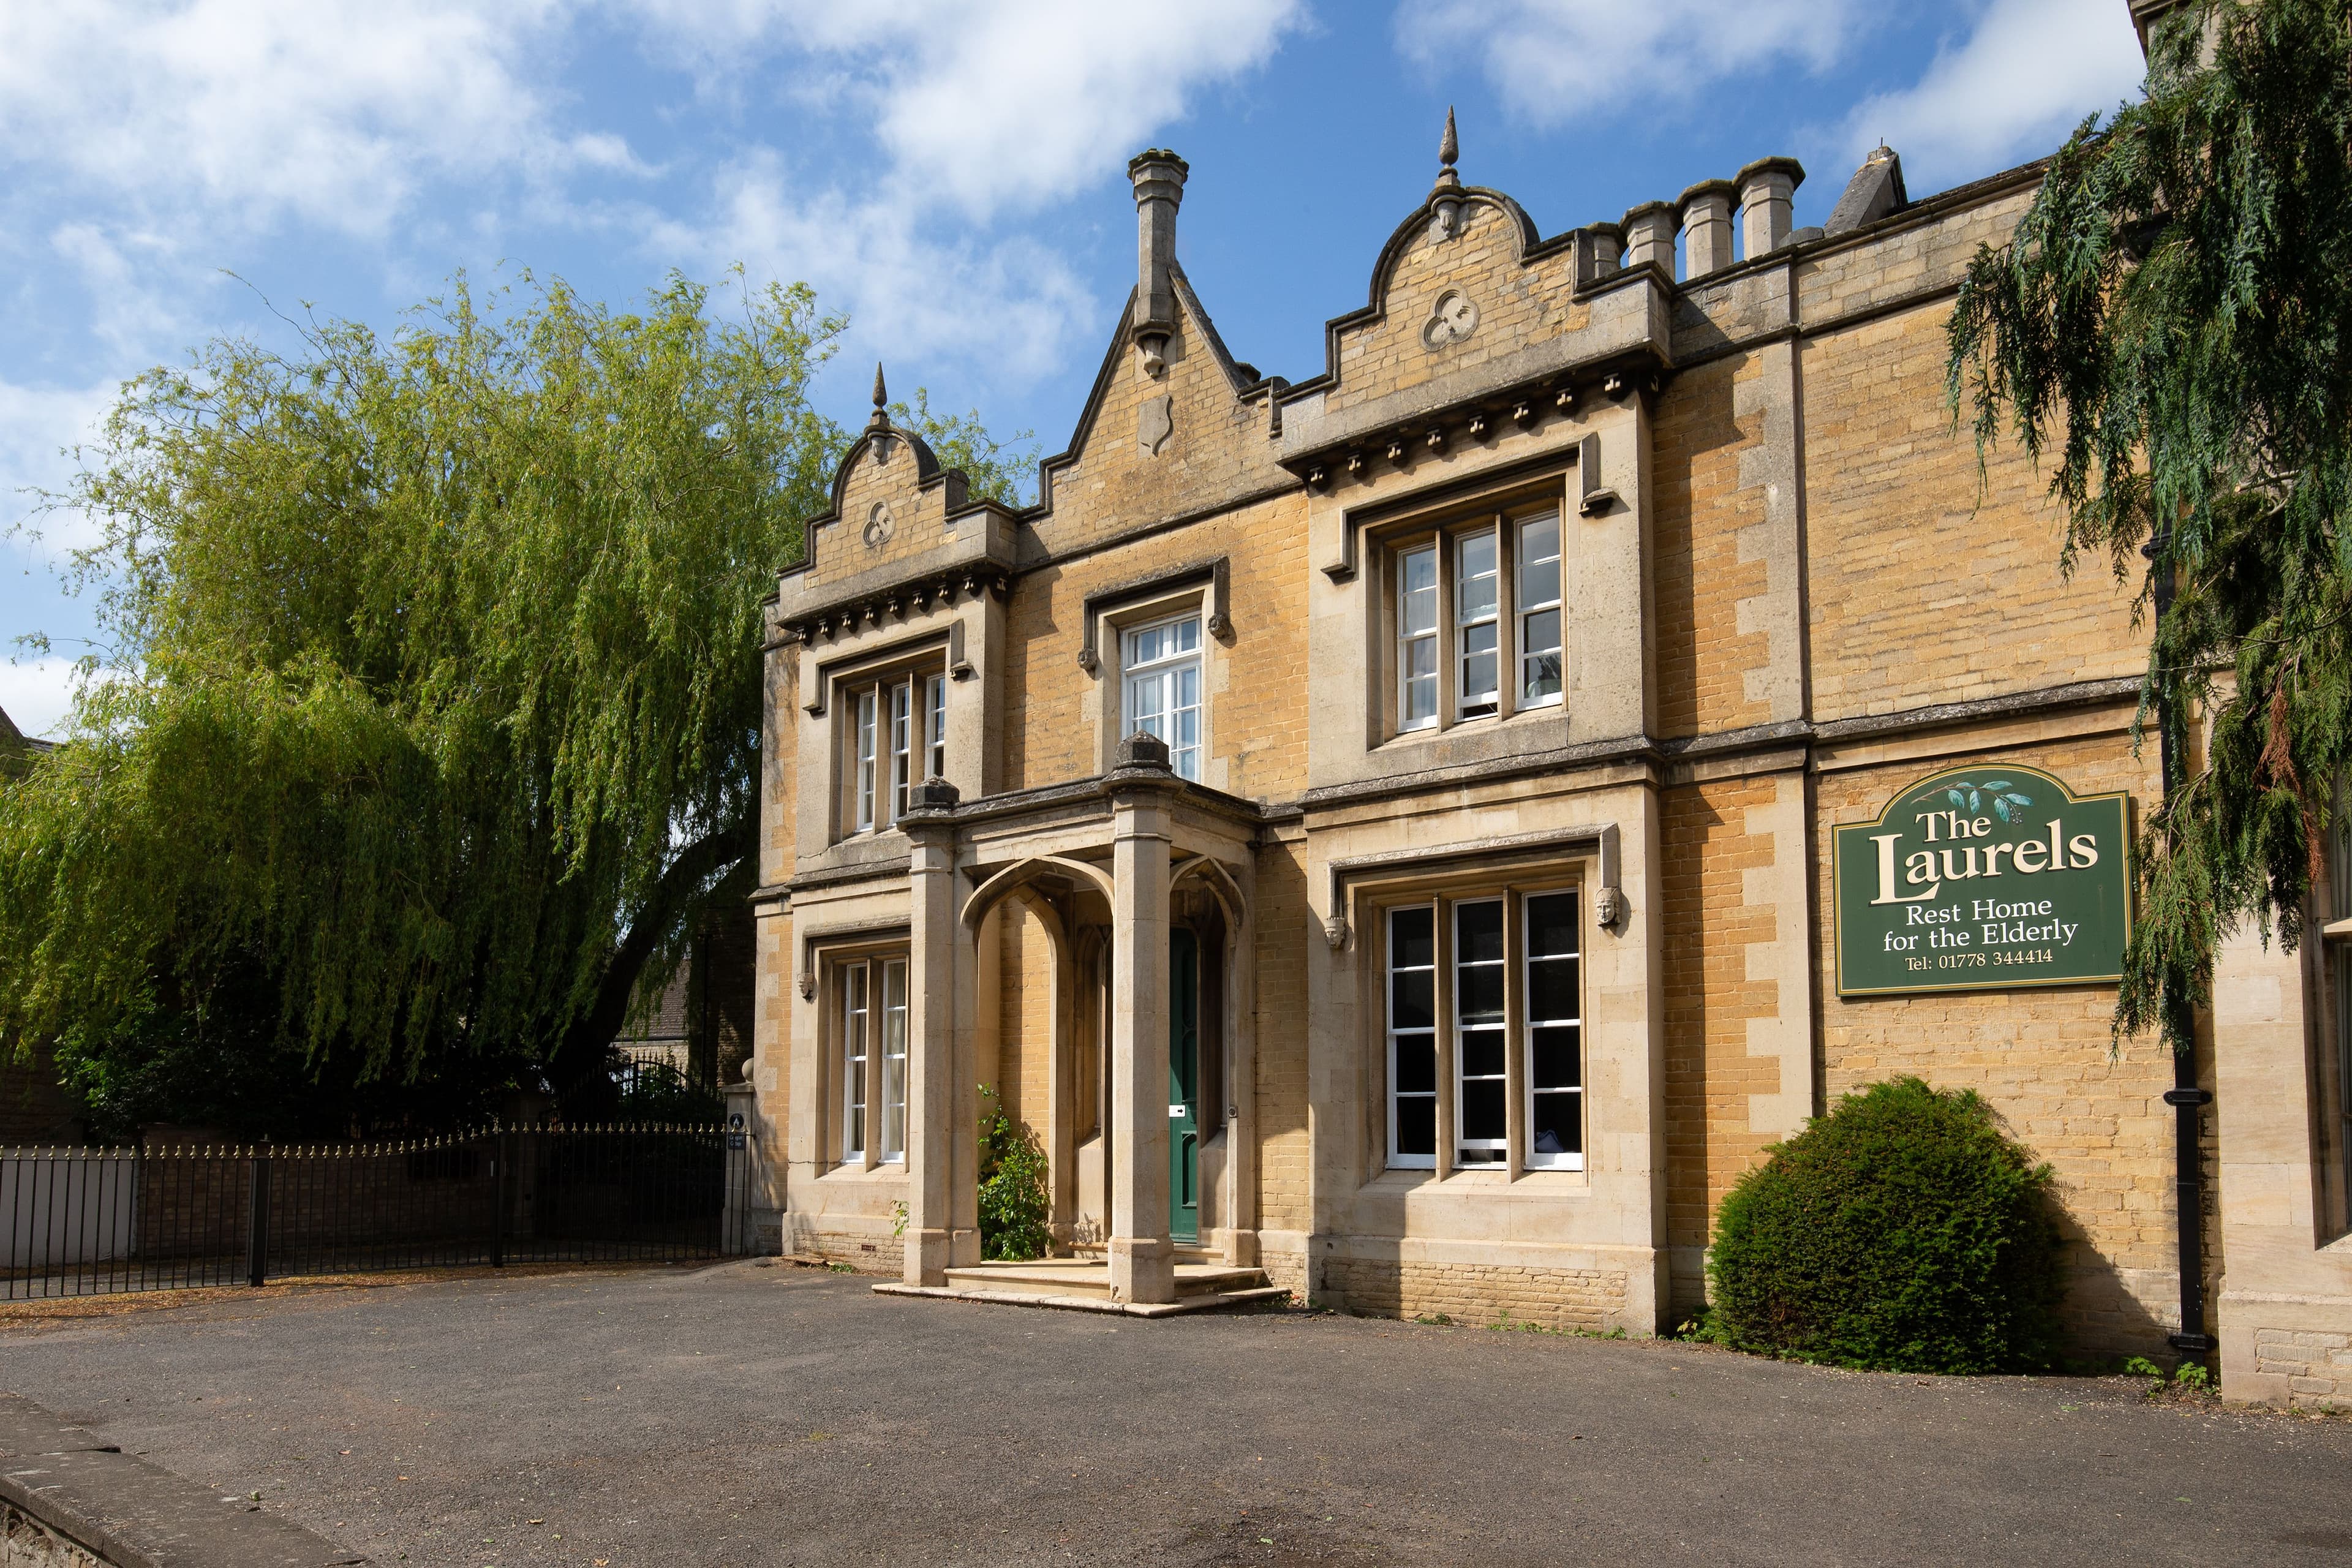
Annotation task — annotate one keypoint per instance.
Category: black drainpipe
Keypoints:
(2187, 1100)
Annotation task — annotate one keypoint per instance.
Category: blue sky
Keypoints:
(950, 176)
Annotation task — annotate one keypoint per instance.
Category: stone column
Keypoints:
(1142, 1259)
(1767, 190)
(1650, 237)
(1706, 210)
(931, 944)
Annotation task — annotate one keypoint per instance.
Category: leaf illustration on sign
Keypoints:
(1969, 797)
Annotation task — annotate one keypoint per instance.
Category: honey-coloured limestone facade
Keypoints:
(1376, 829)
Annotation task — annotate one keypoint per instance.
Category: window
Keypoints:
(1164, 688)
(894, 1059)
(935, 727)
(1500, 639)
(856, 1041)
(895, 737)
(1417, 638)
(873, 1059)
(902, 746)
(1413, 1039)
(1539, 604)
(1477, 570)
(1555, 1028)
(1481, 1118)
(865, 819)
(1501, 1001)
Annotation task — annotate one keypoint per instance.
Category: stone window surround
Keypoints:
(828, 958)
(1200, 589)
(1384, 544)
(837, 688)
(1445, 888)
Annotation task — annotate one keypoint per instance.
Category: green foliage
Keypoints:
(1014, 1206)
(2172, 320)
(992, 470)
(433, 701)
(1904, 1230)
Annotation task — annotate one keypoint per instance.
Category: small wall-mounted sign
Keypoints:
(1983, 879)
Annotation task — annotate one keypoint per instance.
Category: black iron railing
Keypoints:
(78, 1222)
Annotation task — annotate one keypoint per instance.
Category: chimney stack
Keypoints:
(1159, 177)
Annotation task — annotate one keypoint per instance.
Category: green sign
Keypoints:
(1983, 879)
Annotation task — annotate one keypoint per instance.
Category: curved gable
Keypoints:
(1439, 301)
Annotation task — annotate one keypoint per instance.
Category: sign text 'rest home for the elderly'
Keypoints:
(1983, 879)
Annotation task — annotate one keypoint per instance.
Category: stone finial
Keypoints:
(933, 793)
(1449, 149)
(1142, 749)
(1767, 191)
(881, 415)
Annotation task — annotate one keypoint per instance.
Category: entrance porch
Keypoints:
(1141, 883)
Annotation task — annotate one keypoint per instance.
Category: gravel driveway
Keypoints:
(749, 1415)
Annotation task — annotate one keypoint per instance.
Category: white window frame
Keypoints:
(1526, 610)
(1528, 1024)
(865, 765)
(1431, 1037)
(894, 1061)
(1168, 669)
(1480, 1153)
(1411, 639)
(935, 726)
(902, 747)
(1468, 622)
(856, 982)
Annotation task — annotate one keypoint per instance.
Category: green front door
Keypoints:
(1184, 1085)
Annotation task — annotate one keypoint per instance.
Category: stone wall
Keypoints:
(1593, 1300)
(1712, 994)
(1927, 583)
(1706, 648)
(2041, 1056)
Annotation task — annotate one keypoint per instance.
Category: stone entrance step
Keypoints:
(1080, 1284)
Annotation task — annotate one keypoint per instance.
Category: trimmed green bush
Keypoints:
(1902, 1231)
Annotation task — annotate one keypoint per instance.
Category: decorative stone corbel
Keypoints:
(1523, 415)
(958, 666)
(1318, 481)
(1478, 426)
(808, 984)
(1595, 498)
(1609, 900)
(1335, 929)
(1436, 440)
(1220, 622)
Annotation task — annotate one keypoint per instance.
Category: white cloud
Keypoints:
(1555, 61)
(328, 111)
(37, 693)
(38, 427)
(913, 298)
(2026, 74)
(1002, 104)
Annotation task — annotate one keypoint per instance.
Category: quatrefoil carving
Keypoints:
(1452, 321)
(878, 524)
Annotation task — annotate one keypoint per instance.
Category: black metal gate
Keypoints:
(77, 1221)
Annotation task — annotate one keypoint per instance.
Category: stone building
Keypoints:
(1428, 772)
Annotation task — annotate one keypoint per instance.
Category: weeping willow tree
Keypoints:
(2172, 325)
(431, 719)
